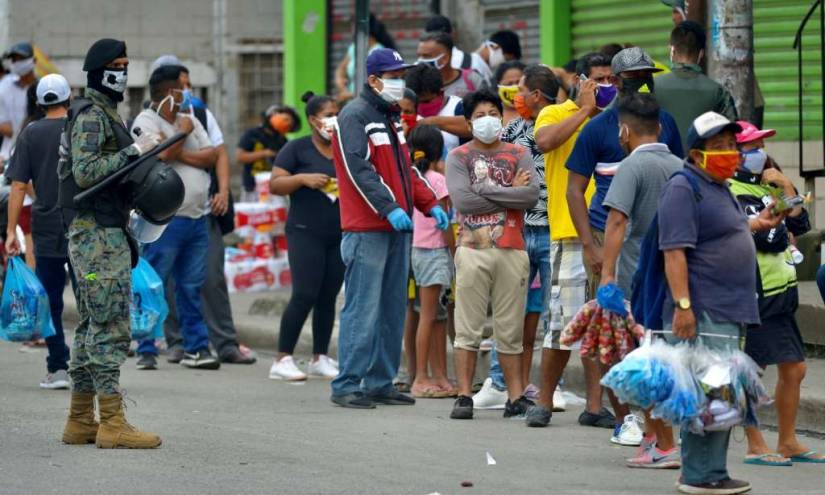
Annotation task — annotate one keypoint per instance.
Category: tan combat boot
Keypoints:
(115, 432)
(81, 427)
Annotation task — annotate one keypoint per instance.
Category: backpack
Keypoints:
(649, 286)
(467, 61)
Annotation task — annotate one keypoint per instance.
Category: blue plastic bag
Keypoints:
(24, 310)
(148, 309)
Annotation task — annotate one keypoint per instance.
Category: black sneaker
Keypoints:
(463, 408)
(538, 416)
(236, 356)
(174, 355)
(392, 398)
(147, 362)
(517, 409)
(722, 487)
(604, 419)
(202, 360)
(355, 400)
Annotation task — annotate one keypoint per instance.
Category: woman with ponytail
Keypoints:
(304, 171)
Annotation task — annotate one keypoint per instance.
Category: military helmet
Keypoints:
(155, 190)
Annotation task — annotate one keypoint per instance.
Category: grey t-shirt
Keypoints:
(467, 82)
(35, 159)
(635, 192)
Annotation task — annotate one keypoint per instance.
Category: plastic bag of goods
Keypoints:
(24, 310)
(148, 309)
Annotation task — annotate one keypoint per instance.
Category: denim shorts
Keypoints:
(432, 267)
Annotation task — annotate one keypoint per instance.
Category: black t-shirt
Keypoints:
(309, 209)
(35, 159)
(258, 139)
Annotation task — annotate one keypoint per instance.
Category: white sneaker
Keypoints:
(630, 433)
(57, 380)
(488, 397)
(332, 361)
(559, 402)
(285, 369)
(322, 368)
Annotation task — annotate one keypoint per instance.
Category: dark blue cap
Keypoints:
(385, 60)
(22, 49)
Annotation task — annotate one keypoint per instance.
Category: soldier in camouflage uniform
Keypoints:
(96, 144)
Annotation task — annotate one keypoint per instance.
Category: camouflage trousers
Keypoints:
(102, 262)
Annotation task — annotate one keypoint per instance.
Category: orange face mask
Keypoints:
(280, 123)
(721, 164)
(521, 107)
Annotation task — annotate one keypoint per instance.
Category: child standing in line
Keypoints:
(432, 264)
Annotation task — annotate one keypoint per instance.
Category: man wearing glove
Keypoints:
(95, 144)
(378, 189)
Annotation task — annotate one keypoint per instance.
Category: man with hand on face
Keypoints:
(181, 251)
(378, 188)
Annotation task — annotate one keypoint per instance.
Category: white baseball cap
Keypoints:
(53, 89)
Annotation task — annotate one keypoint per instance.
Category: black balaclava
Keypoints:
(112, 83)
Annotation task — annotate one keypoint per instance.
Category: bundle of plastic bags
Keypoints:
(24, 310)
(148, 309)
(605, 333)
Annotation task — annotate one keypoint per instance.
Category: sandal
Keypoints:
(763, 459)
(428, 393)
(810, 456)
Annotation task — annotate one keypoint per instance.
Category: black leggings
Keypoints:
(317, 275)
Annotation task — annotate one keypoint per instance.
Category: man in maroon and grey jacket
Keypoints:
(378, 188)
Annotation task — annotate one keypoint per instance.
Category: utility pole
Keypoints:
(362, 33)
(730, 50)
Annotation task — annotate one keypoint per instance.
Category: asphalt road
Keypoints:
(234, 431)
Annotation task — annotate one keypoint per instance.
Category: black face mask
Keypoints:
(632, 85)
(94, 80)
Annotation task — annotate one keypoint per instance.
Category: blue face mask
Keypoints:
(186, 103)
(754, 160)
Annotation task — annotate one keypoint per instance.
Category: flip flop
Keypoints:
(762, 460)
(429, 393)
(809, 456)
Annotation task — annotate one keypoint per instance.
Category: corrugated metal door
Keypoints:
(599, 22)
(404, 19)
(775, 24)
(521, 17)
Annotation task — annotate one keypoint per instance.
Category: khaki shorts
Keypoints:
(593, 279)
(567, 290)
(495, 277)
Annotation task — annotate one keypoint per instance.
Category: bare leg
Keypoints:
(511, 366)
(531, 323)
(787, 406)
(438, 355)
(426, 320)
(465, 368)
(592, 375)
(756, 442)
(663, 432)
(29, 240)
(619, 409)
(410, 327)
(553, 362)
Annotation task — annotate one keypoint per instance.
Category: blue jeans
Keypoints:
(181, 253)
(705, 457)
(537, 241)
(372, 320)
(820, 281)
(52, 275)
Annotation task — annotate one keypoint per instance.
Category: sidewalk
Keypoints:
(257, 319)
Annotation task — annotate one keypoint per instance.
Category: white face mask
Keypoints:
(487, 129)
(22, 67)
(496, 56)
(327, 124)
(432, 61)
(115, 80)
(393, 90)
(172, 104)
(754, 160)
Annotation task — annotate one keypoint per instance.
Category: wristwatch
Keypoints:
(683, 303)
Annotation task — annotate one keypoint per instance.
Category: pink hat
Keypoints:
(751, 133)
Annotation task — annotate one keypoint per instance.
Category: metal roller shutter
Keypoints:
(599, 22)
(404, 19)
(521, 17)
(775, 24)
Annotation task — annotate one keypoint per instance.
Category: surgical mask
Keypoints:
(186, 104)
(393, 90)
(432, 61)
(637, 85)
(520, 103)
(163, 102)
(508, 94)
(605, 94)
(496, 56)
(754, 160)
(487, 129)
(327, 124)
(22, 67)
(721, 164)
(432, 107)
(114, 80)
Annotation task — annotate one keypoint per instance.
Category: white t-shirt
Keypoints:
(448, 110)
(213, 129)
(196, 181)
(12, 109)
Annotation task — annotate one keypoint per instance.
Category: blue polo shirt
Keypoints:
(721, 257)
(597, 151)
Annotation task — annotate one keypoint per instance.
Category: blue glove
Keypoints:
(611, 297)
(442, 220)
(400, 221)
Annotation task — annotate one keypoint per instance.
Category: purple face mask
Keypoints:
(605, 94)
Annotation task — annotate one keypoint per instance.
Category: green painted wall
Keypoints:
(555, 32)
(305, 51)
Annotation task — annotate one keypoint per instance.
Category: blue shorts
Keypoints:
(537, 241)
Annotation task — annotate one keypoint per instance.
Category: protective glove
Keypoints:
(442, 220)
(611, 298)
(145, 143)
(400, 221)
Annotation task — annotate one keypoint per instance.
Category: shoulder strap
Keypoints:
(467, 61)
(200, 114)
(692, 180)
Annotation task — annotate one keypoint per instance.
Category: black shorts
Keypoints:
(776, 341)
